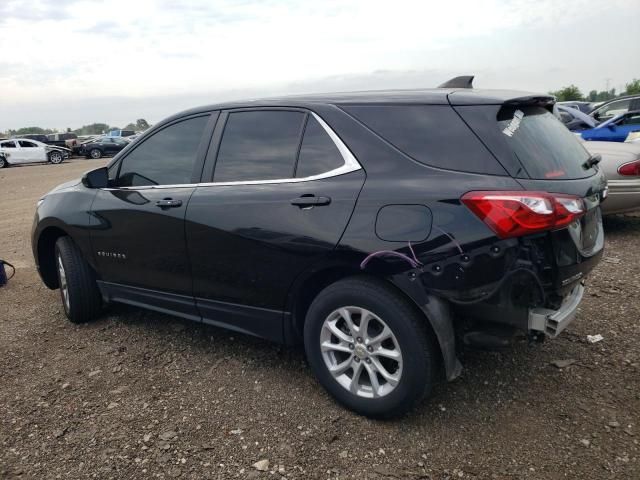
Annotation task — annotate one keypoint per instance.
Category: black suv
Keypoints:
(381, 229)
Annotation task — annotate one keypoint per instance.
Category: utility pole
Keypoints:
(608, 80)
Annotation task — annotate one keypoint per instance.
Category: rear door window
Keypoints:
(259, 145)
(318, 153)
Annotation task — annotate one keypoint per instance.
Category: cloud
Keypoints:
(109, 28)
(36, 10)
(170, 49)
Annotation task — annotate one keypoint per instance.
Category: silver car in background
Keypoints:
(621, 165)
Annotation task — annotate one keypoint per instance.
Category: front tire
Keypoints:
(369, 347)
(56, 157)
(95, 153)
(3, 162)
(78, 288)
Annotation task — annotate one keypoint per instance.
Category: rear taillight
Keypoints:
(631, 169)
(513, 214)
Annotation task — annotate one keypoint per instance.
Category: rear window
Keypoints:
(528, 141)
(546, 149)
(431, 134)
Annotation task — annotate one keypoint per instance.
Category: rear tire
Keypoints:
(95, 153)
(79, 291)
(391, 375)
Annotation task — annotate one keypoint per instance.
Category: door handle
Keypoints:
(308, 201)
(168, 203)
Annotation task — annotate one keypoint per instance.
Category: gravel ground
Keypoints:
(142, 395)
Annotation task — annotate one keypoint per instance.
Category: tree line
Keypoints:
(93, 129)
(573, 93)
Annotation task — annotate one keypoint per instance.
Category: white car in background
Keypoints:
(18, 151)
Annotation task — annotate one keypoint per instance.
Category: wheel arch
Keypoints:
(434, 311)
(45, 251)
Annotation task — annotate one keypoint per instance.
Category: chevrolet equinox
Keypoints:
(383, 230)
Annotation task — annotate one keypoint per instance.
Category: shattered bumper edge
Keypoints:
(552, 322)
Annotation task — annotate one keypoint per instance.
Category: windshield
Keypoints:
(545, 148)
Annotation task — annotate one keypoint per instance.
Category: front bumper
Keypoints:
(552, 322)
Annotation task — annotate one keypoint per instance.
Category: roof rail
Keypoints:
(463, 81)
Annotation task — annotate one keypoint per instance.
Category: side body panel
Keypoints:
(247, 242)
(138, 243)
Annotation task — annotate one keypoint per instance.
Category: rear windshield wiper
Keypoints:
(592, 161)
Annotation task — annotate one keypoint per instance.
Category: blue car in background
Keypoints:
(615, 129)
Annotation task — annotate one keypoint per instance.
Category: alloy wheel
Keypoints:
(55, 157)
(361, 352)
(95, 153)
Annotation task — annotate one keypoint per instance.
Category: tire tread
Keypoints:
(85, 298)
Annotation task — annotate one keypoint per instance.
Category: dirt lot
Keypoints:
(138, 394)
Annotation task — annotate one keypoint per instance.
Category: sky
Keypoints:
(67, 63)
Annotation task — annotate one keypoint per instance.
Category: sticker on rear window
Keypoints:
(514, 124)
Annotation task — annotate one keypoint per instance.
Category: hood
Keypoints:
(577, 114)
(55, 147)
(63, 186)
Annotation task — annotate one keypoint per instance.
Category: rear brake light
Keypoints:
(513, 214)
(631, 169)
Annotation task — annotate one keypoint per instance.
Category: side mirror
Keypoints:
(98, 178)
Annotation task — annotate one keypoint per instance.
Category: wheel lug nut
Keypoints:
(368, 360)
(359, 339)
(357, 359)
(351, 347)
(370, 348)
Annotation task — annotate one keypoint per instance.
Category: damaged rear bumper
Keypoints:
(552, 322)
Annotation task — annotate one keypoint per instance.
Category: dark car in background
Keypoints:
(64, 140)
(379, 229)
(102, 147)
(615, 107)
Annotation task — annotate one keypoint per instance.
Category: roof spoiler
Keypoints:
(463, 81)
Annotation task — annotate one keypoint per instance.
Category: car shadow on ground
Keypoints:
(492, 377)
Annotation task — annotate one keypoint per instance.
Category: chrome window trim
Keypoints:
(350, 165)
